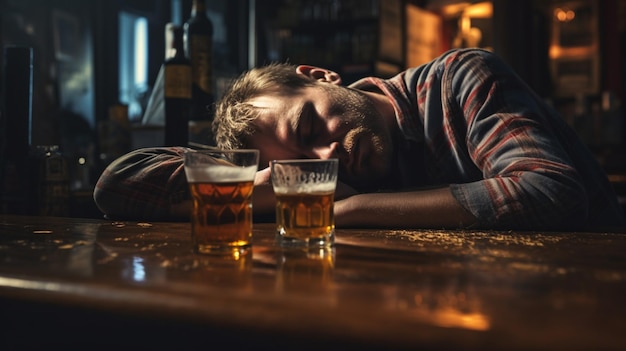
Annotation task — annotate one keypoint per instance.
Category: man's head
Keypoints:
(303, 112)
(234, 114)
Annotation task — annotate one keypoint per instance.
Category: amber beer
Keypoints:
(221, 215)
(304, 192)
(221, 193)
(305, 216)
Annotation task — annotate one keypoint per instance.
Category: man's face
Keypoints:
(325, 121)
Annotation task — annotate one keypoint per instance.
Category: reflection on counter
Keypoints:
(310, 270)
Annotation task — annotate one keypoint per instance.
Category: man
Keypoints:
(456, 143)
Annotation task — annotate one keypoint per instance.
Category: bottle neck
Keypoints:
(177, 42)
(198, 8)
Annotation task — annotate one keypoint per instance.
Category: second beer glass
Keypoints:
(305, 192)
(221, 184)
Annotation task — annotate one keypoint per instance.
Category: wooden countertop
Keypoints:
(99, 283)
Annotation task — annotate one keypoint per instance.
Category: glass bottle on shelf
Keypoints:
(198, 39)
(177, 91)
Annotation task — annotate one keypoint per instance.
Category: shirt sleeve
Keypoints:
(519, 145)
(143, 184)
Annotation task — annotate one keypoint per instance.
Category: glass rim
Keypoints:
(306, 160)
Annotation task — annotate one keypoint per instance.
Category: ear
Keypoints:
(319, 74)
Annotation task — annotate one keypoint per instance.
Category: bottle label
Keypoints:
(177, 82)
(201, 55)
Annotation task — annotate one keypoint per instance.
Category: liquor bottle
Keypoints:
(177, 91)
(199, 49)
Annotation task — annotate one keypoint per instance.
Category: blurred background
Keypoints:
(95, 62)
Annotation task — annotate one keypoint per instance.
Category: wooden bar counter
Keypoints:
(101, 284)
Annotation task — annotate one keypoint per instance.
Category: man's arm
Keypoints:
(431, 208)
(143, 184)
(150, 184)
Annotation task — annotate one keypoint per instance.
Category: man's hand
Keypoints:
(262, 177)
(263, 198)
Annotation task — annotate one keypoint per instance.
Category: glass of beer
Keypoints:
(221, 184)
(305, 191)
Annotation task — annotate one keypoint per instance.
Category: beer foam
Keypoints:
(220, 173)
(288, 179)
(317, 188)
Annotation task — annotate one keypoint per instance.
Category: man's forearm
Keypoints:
(432, 208)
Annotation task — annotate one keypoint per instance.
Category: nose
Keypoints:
(325, 152)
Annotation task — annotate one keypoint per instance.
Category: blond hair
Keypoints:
(234, 115)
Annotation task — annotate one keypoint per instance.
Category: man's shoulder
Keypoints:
(465, 52)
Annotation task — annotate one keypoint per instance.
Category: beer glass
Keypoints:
(221, 184)
(304, 192)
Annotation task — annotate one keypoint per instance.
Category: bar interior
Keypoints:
(81, 85)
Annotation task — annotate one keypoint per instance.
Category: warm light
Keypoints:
(480, 10)
(451, 318)
(556, 51)
(466, 24)
(455, 311)
(453, 10)
(467, 35)
(564, 15)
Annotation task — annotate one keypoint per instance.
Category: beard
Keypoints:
(367, 142)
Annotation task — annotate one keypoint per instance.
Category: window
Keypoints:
(133, 63)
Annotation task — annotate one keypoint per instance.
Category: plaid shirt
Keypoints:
(468, 121)
(143, 184)
(511, 160)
